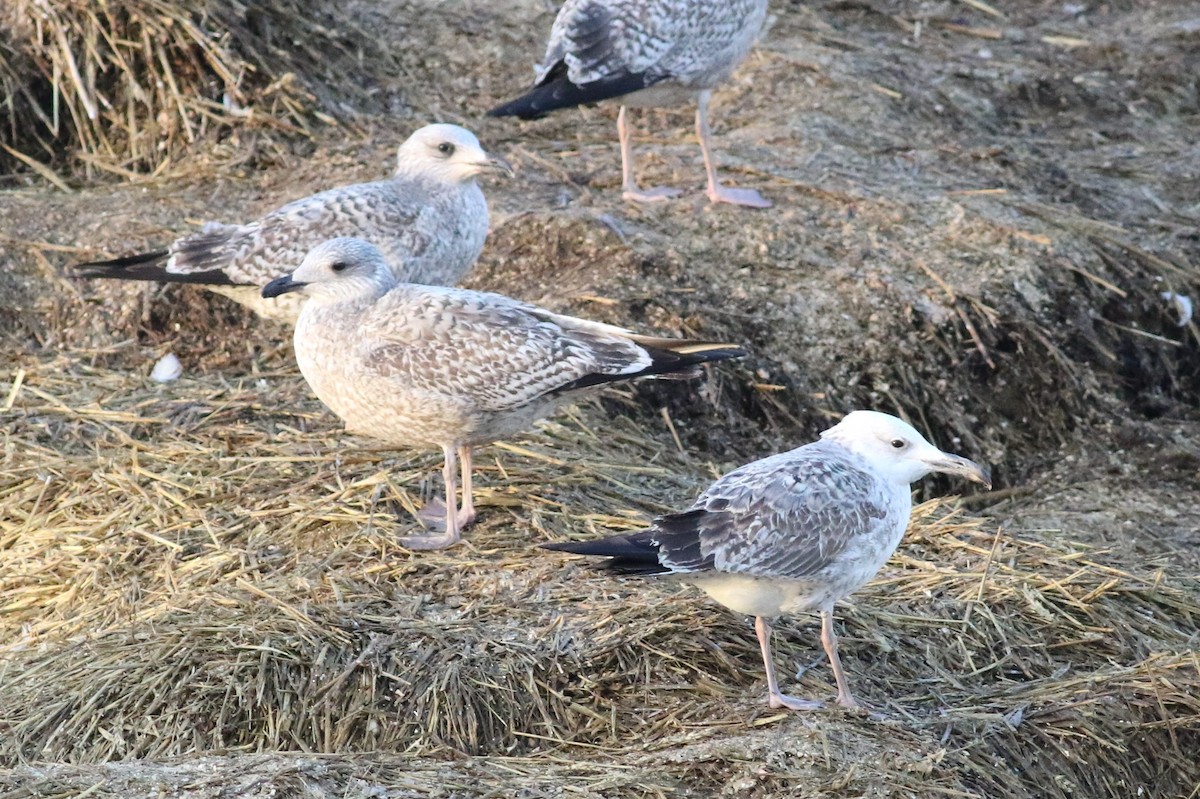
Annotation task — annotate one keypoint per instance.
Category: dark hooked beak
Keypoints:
(961, 467)
(498, 165)
(281, 285)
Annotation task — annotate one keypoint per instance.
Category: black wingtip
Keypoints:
(558, 92)
(148, 266)
(143, 263)
(669, 359)
(626, 554)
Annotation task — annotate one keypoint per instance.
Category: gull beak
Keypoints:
(956, 465)
(281, 285)
(495, 164)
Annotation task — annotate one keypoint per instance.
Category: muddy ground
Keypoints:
(977, 208)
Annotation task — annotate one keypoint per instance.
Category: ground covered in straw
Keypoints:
(978, 209)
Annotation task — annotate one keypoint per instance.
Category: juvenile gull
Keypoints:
(434, 366)
(647, 53)
(429, 220)
(793, 532)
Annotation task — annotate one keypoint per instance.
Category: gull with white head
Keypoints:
(432, 366)
(646, 53)
(429, 220)
(793, 532)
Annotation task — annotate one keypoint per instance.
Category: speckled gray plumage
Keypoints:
(427, 365)
(686, 44)
(818, 515)
(435, 366)
(430, 220)
(793, 532)
(428, 231)
(645, 53)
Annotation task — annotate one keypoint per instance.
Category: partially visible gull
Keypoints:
(647, 53)
(794, 532)
(432, 366)
(429, 220)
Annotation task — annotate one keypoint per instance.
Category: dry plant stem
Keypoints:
(716, 192)
(829, 641)
(629, 187)
(774, 698)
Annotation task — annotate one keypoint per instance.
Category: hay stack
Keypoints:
(123, 87)
(209, 566)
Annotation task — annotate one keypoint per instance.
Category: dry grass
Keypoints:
(210, 566)
(124, 88)
(201, 572)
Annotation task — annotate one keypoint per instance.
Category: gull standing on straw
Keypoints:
(429, 220)
(794, 532)
(433, 366)
(647, 53)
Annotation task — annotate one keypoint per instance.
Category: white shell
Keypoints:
(1182, 304)
(166, 369)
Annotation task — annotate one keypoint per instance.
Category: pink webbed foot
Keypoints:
(748, 198)
(656, 194)
(777, 700)
(429, 542)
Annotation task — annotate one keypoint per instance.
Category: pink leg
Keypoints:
(774, 697)
(434, 514)
(629, 187)
(450, 536)
(466, 516)
(716, 192)
(829, 640)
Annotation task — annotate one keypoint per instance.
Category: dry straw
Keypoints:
(210, 566)
(122, 87)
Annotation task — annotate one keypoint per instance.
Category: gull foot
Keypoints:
(433, 516)
(792, 703)
(745, 197)
(429, 542)
(655, 195)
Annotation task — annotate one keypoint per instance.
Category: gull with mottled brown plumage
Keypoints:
(423, 366)
(794, 532)
(648, 53)
(429, 220)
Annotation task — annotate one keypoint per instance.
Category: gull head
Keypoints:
(337, 270)
(897, 450)
(448, 153)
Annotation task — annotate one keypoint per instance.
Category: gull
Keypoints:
(793, 532)
(429, 219)
(648, 53)
(424, 366)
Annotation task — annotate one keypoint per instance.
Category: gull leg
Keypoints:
(716, 192)
(466, 516)
(629, 187)
(450, 536)
(829, 640)
(774, 697)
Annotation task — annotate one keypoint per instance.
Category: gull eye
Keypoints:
(446, 148)
(338, 266)
(898, 443)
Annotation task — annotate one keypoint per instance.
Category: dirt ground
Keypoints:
(977, 210)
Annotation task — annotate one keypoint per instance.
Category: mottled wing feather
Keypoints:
(499, 353)
(663, 39)
(785, 516)
(256, 253)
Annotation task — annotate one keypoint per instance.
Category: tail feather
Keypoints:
(557, 91)
(148, 266)
(670, 359)
(627, 554)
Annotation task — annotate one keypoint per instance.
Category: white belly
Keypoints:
(760, 596)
